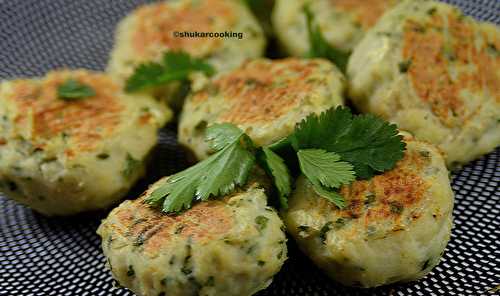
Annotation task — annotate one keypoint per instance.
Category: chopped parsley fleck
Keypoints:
(426, 264)
(304, 228)
(72, 90)
(370, 198)
(210, 281)
(103, 156)
(340, 222)
(130, 271)
(261, 222)
(404, 66)
(261, 263)
(324, 230)
(131, 165)
(396, 207)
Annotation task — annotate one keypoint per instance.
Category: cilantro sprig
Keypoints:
(331, 150)
(217, 175)
(319, 46)
(175, 66)
(368, 142)
(73, 90)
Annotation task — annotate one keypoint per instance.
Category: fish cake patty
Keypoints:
(394, 227)
(434, 72)
(228, 246)
(61, 157)
(150, 31)
(265, 98)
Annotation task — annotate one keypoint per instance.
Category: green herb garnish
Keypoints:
(72, 90)
(366, 141)
(331, 150)
(277, 169)
(261, 222)
(175, 66)
(319, 47)
(404, 66)
(131, 165)
(217, 175)
(325, 171)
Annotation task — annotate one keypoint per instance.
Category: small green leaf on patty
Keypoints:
(72, 90)
(175, 66)
(131, 165)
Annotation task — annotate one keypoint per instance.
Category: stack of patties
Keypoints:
(73, 141)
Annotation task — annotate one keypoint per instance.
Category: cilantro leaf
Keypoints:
(219, 174)
(326, 172)
(72, 90)
(131, 165)
(175, 66)
(325, 168)
(220, 135)
(276, 167)
(319, 47)
(369, 143)
(316, 130)
(330, 195)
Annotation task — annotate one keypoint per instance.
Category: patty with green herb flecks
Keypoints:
(228, 246)
(394, 227)
(341, 22)
(434, 72)
(153, 29)
(73, 141)
(265, 98)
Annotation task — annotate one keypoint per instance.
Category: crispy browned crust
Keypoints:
(157, 22)
(366, 12)
(86, 121)
(150, 228)
(384, 197)
(424, 44)
(261, 91)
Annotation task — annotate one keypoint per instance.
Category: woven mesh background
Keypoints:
(40, 256)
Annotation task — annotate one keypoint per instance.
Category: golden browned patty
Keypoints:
(436, 73)
(264, 98)
(60, 156)
(150, 31)
(231, 246)
(342, 22)
(394, 228)
(85, 121)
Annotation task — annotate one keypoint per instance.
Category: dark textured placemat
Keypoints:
(40, 256)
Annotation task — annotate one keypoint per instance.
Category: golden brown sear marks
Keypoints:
(263, 91)
(84, 121)
(158, 22)
(366, 12)
(426, 44)
(386, 196)
(153, 230)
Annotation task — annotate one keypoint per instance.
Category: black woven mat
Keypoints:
(40, 256)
